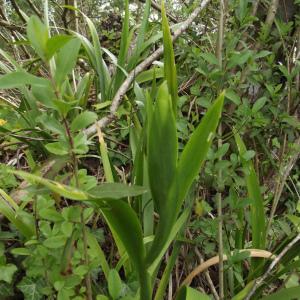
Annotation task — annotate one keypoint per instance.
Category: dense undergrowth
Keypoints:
(125, 175)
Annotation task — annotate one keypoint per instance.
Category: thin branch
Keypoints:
(17, 9)
(34, 8)
(11, 26)
(158, 8)
(260, 281)
(117, 100)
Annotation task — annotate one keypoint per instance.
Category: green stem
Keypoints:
(167, 272)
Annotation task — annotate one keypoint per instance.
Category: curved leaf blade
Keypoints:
(162, 148)
(196, 149)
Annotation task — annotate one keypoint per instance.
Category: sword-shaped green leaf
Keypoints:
(162, 148)
(257, 206)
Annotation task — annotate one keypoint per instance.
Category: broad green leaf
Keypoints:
(83, 120)
(210, 58)
(37, 34)
(162, 149)
(188, 293)
(169, 60)
(58, 148)
(114, 284)
(19, 79)
(66, 60)
(80, 143)
(30, 288)
(233, 96)
(286, 294)
(51, 123)
(115, 191)
(50, 214)
(55, 43)
(21, 251)
(248, 155)
(7, 272)
(125, 223)
(257, 206)
(262, 54)
(239, 58)
(55, 242)
(196, 149)
(259, 104)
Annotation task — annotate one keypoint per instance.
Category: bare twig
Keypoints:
(17, 10)
(259, 281)
(141, 67)
(11, 26)
(158, 8)
(34, 8)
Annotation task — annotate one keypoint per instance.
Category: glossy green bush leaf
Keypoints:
(66, 59)
(257, 206)
(169, 60)
(83, 120)
(162, 148)
(37, 34)
(188, 293)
